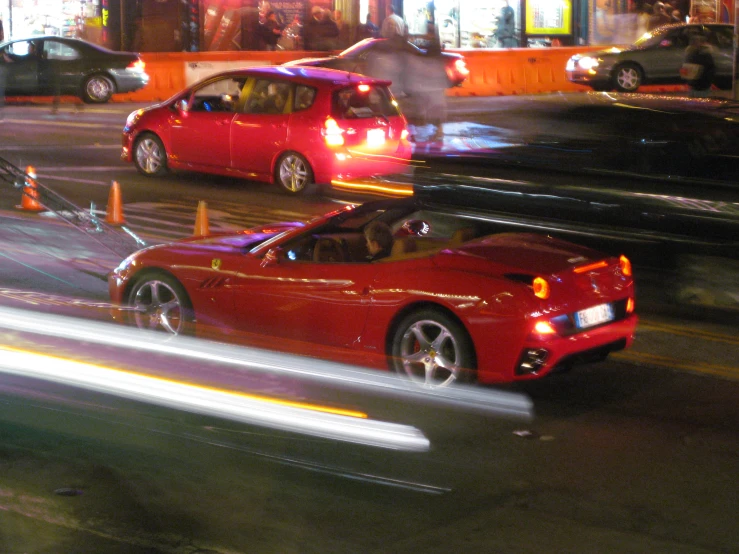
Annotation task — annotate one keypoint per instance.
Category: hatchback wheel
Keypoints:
(149, 155)
(159, 302)
(628, 77)
(432, 349)
(293, 173)
(97, 89)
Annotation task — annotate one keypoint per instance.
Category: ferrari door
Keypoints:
(314, 301)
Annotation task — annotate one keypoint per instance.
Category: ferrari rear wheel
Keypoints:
(159, 302)
(293, 173)
(432, 349)
(149, 155)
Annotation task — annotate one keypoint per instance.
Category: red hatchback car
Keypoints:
(454, 301)
(291, 126)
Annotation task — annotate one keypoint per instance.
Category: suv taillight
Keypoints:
(332, 133)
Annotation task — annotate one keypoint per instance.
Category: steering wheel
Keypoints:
(328, 250)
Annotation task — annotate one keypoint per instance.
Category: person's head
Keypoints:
(390, 9)
(379, 237)
(317, 12)
(369, 18)
(271, 15)
(337, 15)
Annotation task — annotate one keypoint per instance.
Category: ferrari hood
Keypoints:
(518, 253)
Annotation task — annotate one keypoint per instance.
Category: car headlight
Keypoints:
(588, 63)
(133, 118)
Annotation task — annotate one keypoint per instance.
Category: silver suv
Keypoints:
(655, 58)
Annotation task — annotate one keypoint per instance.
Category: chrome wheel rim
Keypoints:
(99, 89)
(628, 78)
(149, 155)
(430, 355)
(157, 306)
(293, 173)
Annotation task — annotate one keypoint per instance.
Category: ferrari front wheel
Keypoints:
(159, 302)
(432, 349)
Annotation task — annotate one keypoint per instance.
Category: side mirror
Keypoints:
(182, 105)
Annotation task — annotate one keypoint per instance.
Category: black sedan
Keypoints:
(49, 65)
(383, 59)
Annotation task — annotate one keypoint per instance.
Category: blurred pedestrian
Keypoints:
(270, 31)
(369, 29)
(393, 26)
(320, 32)
(699, 67)
(2, 31)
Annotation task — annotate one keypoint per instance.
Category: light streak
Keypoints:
(491, 402)
(288, 416)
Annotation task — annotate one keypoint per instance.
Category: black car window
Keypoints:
(304, 97)
(23, 49)
(55, 50)
(363, 101)
(269, 96)
(221, 95)
(724, 37)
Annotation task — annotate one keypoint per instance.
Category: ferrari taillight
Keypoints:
(541, 288)
(332, 133)
(625, 265)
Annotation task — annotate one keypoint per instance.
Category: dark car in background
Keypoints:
(367, 58)
(652, 176)
(50, 65)
(655, 58)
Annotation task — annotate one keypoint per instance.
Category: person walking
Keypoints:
(369, 29)
(699, 67)
(271, 31)
(320, 32)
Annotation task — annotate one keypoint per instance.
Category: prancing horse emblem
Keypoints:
(216, 263)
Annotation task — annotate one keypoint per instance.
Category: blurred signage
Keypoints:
(548, 17)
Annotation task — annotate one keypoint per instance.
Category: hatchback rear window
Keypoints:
(363, 101)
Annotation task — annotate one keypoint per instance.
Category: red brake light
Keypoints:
(332, 133)
(363, 88)
(541, 288)
(630, 305)
(591, 267)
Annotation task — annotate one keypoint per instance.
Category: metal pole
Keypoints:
(123, 27)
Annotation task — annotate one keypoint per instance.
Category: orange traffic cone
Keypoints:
(29, 200)
(114, 215)
(202, 228)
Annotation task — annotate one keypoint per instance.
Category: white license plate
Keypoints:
(375, 137)
(594, 316)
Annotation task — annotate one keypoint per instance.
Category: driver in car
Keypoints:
(379, 239)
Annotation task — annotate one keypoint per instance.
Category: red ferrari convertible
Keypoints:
(453, 301)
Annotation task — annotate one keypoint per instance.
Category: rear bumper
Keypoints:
(539, 357)
(347, 164)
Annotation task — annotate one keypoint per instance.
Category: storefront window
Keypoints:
(467, 23)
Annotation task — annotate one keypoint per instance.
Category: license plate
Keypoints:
(594, 316)
(375, 137)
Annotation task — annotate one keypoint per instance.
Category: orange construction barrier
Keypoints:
(202, 228)
(114, 215)
(29, 200)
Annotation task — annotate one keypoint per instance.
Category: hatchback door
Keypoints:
(202, 134)
(368, 119)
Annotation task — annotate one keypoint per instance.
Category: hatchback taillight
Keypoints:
(332, 133)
